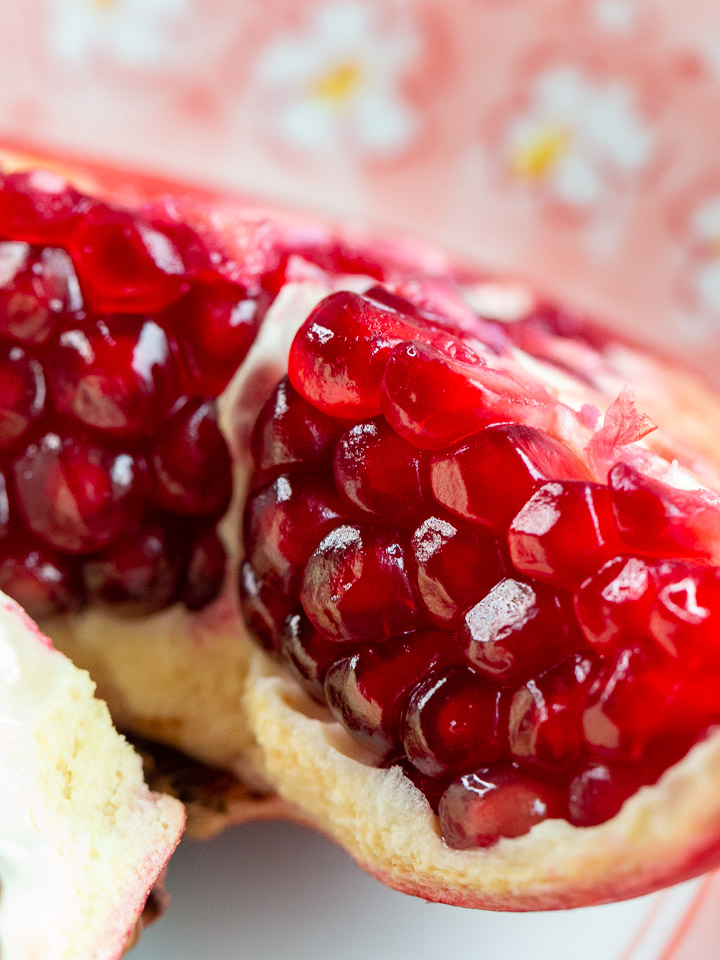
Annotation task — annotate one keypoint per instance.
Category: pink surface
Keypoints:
(573, 141)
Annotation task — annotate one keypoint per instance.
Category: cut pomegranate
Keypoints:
(459, 536)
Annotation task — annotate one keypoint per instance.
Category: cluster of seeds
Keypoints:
(118, 331)
(456, 585)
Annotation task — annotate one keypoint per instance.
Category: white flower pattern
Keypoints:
(580, 138)
(131, 33)
(332, 88)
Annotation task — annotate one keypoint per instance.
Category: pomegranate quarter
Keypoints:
(440, 577)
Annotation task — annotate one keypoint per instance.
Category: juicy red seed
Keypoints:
(76, 496)
(368, 691)
(616, 602)
(454, 720)
(638, 709)
(283, 523)
(657, 519)
(264, 607)
(480, 808)
(430, 399)
(455, 568)
(37, 287)
(22, 394)
(191, 462)
(356, 586)
(205, 572)
(517, 628)
(545, 729)
(42, 581)
(124, 264)
(39, 207)
(598, 791)
(565, 532)
(490, 478)
(685, 615)
(139, 570)
(115, 374)
(378, 471)
(215, 328)
(308, 654)
(290, 434)
(338, 356)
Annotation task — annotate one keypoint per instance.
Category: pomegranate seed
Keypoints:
(490, 478)
(356, 586)
(685, 615)
(205, 571)
(264, 608)
(655, 518)
(455, 568)
(598, 791)
(519, 627)
(284, 521)
(638, 709)
(290, 434)
(565, 532)
(22, 394)
(368, 691)
(39, 579)
(39, 207)
(454, 720)
(430, 399)
(616, 602)
(378, 471)
(37, 287)
(480, 808)
(308, 654)
(76, 496)
(124, 264)
(139, 570)
(215, 328)
(114, 374)
(338, 356)
(546, 715)
(191, 462)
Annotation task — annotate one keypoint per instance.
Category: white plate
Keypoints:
(277, 892)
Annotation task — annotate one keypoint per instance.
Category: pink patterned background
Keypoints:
(575, 142)
(572, 141)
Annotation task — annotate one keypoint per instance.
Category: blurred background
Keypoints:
(571, 141)
(574, 142)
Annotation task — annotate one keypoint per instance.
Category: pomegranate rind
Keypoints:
(96, 839)
(198, 682)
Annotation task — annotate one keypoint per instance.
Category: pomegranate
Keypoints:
(327, 513)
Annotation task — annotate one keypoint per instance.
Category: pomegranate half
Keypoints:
(425, 560)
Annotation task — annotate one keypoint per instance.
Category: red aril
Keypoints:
(564, 533)
(125, 265)
(490, 478)
(77, 496)
(40, 579)
(22, 394)
(38, 287)
(479, 808)
(39, 207)
(114, 375)
(454, 719)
